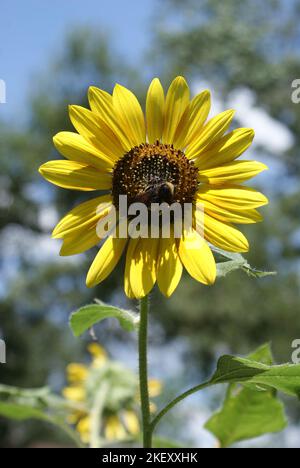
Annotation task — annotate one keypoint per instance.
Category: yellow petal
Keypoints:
(182, 129)
(97, 132)
(155, 111)
(127, 286)
(130, 115)
(75, 176)
(210, 133)
(84, 429)
(102, 104)
(114, 429)
(99, 355)
(232, 173)
(232, 196)
(77, 373)
(155, 388)
(98, 362)
(97, 351)
(79, 241)
(82, 215)
(197, 258)
(141, 263)
(177, 101)
(131, 422)
(238, 216)
(193, 120)
(223, 235)
(74, 393)
(169, 266)
(199, 110)
(105, 261)
(227, 149)
(79, 228)
(74, 147)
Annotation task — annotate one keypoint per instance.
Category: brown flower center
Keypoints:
(155, 174)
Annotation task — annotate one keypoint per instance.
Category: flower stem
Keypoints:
(143, 372)
(70, 432)
(96, 416)
(174, 402)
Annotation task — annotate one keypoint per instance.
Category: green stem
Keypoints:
(96, 417)
(143, 373)
(174, 402)
(70, 432)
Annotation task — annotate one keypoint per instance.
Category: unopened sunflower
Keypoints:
(172, 154)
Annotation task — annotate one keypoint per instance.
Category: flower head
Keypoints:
(120, 419)
(172, 155)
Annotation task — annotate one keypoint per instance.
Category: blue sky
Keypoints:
(33, 30)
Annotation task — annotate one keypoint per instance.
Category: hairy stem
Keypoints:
(143, 373)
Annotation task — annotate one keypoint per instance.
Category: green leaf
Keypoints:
(285, 378)
(263, 354)
(253, 272)
(227, 262)
(163, 442)
(22, 404)
(248, 413)
(39, 398)
(38, 393)
(89, 315)
(20, 412)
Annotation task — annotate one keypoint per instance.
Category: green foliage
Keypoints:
(21, 412)
(229, 262)
(25, 404)
(109, 388)
(251, 406)
(163, 442)
(121, 386)
(285, 378)
(36, 404)
(90, 315)
(247, 412)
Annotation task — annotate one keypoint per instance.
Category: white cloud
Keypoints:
(269, 133)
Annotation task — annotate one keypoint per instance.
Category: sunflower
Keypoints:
(175, 154)
(120, 419)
